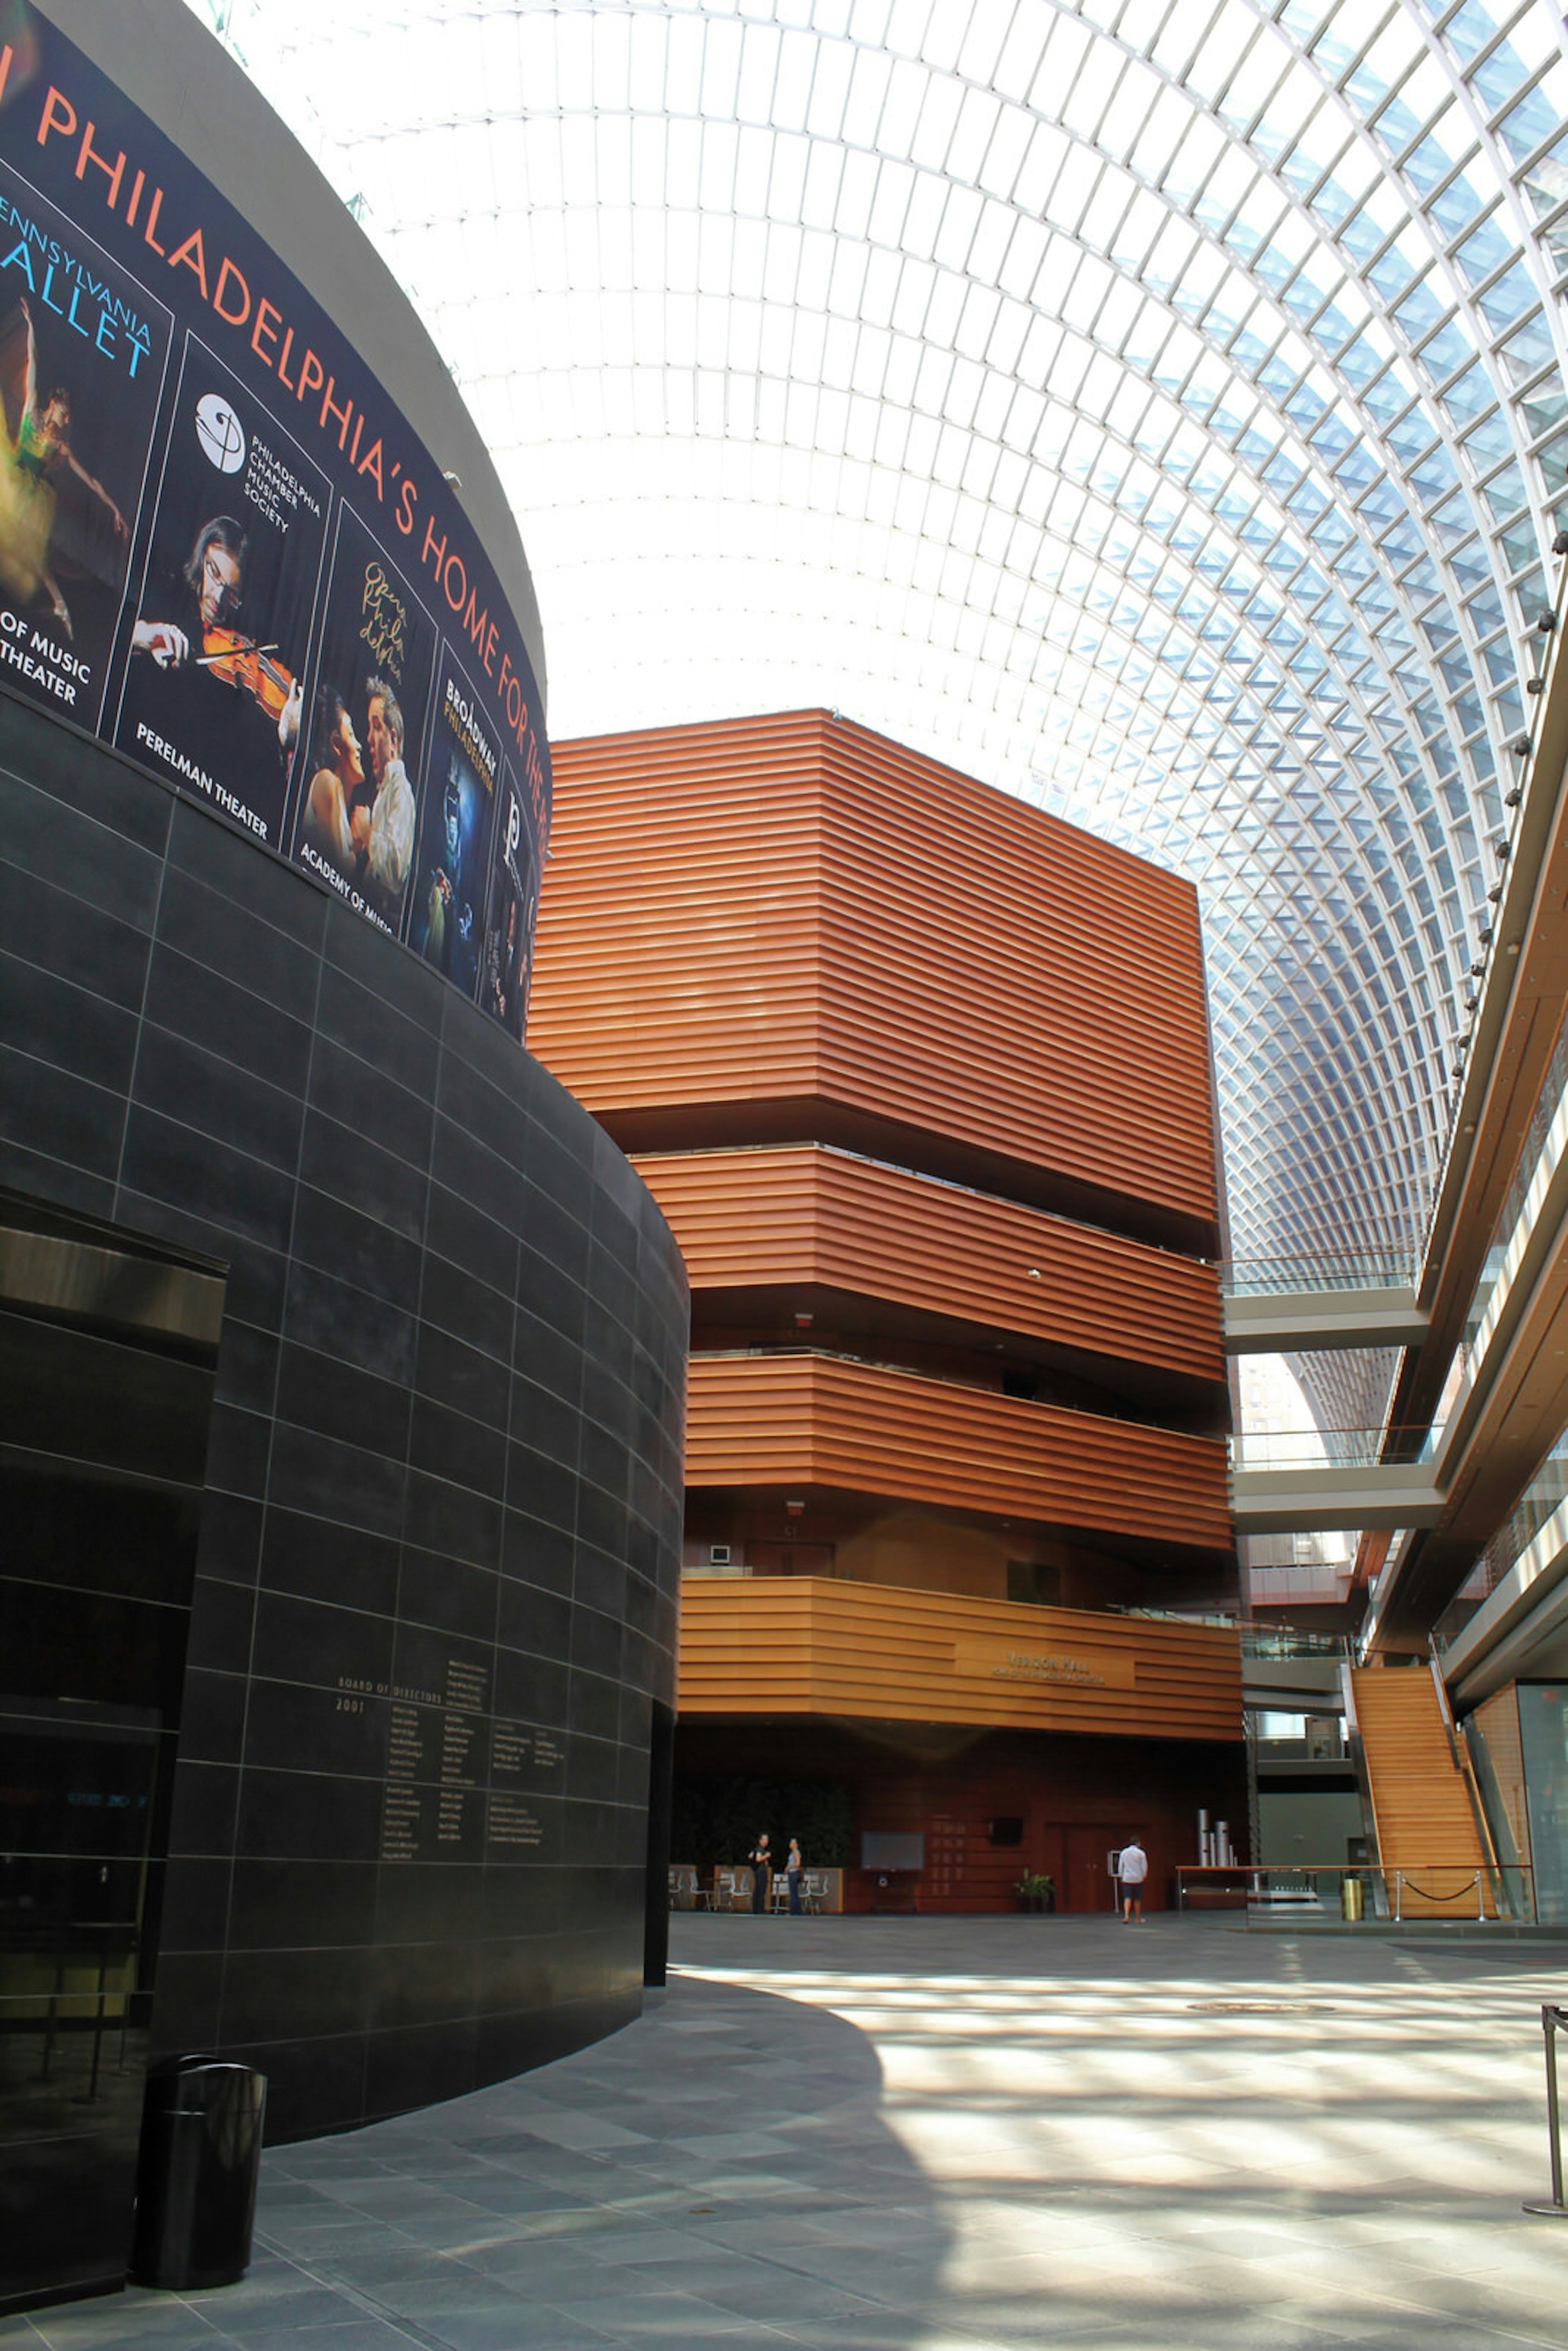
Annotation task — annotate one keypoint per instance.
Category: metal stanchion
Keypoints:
(1551, 2018)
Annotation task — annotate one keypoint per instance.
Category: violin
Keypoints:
(239, 661)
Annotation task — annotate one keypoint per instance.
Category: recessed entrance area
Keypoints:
(108, 1349)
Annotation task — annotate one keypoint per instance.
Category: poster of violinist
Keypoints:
(364, 735)
(214, 673)
(452, 870)
(83, 353)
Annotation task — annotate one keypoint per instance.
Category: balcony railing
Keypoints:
(1312, 1448)
(1281, 1643)
(1539, 1157)
(1540, 1503)
(1314, 1893)
(1269, 1277)
(1308, 1583)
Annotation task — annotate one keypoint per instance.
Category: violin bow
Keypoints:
(206, 661)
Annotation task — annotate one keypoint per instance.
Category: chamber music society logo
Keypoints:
(220, 433)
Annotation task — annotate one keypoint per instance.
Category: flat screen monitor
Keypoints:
(892, 1849)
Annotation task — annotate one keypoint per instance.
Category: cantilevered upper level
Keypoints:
(920, 1077)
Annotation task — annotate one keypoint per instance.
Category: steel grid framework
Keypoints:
(1155, 407)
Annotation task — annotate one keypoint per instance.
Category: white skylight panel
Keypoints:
(788, 417)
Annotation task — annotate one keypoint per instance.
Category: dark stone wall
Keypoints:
(435, 1591)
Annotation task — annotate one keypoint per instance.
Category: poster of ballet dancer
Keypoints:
(83, 353)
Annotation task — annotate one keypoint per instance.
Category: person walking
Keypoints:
(794, 1871)
(1132, 1868)
(761, 1861)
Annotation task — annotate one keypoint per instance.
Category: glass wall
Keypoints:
(1159, 412)
(1543, 1735)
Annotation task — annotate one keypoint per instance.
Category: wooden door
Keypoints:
(1047, 1851)
(1088, 1886)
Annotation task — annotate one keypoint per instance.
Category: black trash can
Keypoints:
(196, 2173)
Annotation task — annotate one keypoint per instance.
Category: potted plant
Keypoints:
(1036, 1891)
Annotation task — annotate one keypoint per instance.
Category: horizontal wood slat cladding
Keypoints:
(754, 1218)
(870, 1651)
(818, 1420)
(793, 907)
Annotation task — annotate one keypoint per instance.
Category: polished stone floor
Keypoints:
(930, 2135)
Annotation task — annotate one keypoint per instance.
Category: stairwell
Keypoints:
(1425, 1827)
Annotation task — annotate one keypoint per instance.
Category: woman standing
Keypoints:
(794, 1870)
(339, 776)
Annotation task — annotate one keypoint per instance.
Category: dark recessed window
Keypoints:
(1034, 1585)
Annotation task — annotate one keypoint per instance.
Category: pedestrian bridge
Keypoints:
(1301, 1499)
(1299, 1314)
(1281, 1306)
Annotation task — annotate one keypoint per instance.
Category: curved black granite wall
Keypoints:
(435, 1590)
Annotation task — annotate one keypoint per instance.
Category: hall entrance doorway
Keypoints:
(1088, 1884)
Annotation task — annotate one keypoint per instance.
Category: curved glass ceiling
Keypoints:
(1155, 407)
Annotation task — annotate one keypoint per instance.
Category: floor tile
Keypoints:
(945, 2135)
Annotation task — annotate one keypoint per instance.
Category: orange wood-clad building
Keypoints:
(920, 1077)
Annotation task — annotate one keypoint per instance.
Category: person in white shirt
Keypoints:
(384, 835)
(1132, 1868)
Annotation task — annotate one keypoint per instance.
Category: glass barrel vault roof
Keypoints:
(1155, 407)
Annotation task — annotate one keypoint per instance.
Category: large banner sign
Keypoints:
(514, 904)
(237, 533)
(453, 867)
(223, 551)
(369, 728)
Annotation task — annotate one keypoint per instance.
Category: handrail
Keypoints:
(1301, 1879)
(1334, 1868)
(1286, 1645)
(1290, 1273)
(1467, 1771)
(1355, 1748)
(1444, 1709)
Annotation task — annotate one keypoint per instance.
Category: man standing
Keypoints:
(761, 1861)
(384, 835)
(1132, 1868)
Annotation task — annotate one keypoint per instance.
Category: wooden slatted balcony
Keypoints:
(815, 1645)
(805, 1421)
(813, 1219)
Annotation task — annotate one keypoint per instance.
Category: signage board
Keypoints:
(223, 549)
(1044, 1666)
